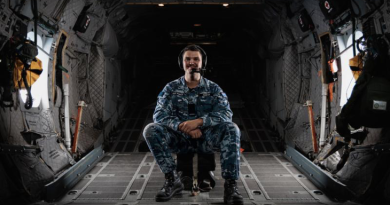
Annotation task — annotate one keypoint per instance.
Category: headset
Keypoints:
(202, 52)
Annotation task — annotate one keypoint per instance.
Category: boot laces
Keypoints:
(233, 187)
(168, 183)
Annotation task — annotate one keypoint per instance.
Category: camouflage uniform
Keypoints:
(219, 133)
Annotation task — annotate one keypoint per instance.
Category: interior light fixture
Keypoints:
(225, 5)
(197, 24)
(161, 5)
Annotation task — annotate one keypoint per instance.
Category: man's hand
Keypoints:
(190, 125)
(195, 134)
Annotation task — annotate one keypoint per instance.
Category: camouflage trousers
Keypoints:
(224, 137)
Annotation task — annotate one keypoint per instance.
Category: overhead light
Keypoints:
(225, 5)
(197, 24)
(161, 5)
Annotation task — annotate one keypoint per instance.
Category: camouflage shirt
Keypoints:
(177, 103)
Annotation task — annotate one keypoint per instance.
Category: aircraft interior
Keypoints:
(308, 82)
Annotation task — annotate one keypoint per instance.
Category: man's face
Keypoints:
(191, 60)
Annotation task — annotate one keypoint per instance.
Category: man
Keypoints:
(193, 115)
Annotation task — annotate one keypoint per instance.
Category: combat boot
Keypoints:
(231, 194)
(171, 187)
(206, 181)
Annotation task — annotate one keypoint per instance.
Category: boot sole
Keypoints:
(239, 202)
(163, 199)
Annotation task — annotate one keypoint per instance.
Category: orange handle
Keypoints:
(313, 130)
(76, 134)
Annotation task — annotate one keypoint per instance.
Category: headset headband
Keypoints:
(202, 52)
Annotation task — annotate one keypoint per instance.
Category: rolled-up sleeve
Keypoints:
(163, 113)
(221, 111)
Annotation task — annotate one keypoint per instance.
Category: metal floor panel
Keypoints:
(127, 176)
(265, 178)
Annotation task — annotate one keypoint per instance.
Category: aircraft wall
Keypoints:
(294, 77)
(85, 61)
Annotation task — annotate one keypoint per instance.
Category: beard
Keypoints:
(192, 76)
(193, 72)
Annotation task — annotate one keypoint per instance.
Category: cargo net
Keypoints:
(298, 132)
(88, 134)
(305, 77)
(96, 84)
(291, 72)
(304, 94)
(84, 91)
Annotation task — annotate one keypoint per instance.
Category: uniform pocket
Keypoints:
(206, 103)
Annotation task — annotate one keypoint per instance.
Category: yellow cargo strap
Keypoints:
(356, 65)
(32, 74)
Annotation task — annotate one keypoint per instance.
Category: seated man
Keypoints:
(193, 115)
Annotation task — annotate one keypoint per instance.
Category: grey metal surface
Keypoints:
(116, 17)
(317, 175)
(70, 14)
(52, 9)
(156, 181)
(316, 14)
(97, 16)
(275, 180)
(72, 175)
(114, 178)
(265, 178)
(4, 29)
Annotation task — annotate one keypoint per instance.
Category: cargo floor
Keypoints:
(129, 175)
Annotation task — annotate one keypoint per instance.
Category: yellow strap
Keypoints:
(31, 76)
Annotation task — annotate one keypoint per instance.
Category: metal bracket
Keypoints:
(17, 149)
(316, 175)
(74, 174)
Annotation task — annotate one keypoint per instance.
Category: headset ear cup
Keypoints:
(204, 57)
(180, 60)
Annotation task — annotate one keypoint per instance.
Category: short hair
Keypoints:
(192, 47)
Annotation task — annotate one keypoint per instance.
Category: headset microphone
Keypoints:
(201, 71)
(194, 70)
